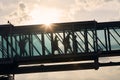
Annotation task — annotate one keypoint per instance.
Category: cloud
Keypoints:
(20, 15)
(89, 4)
(22, 6)
(72, 10)
(59, 4)
(1, 6)
(83, 7)
(100, 10)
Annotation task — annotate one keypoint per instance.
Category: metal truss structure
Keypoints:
(56, 43)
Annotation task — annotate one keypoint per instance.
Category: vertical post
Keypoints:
(11, 27)
(75, 43)
(29, 40)
(95, 38)
(31, 45)
(12, 45)
(96, 61)
(109, 43)
(65, 51)
(16, 44)
(86, 40)
(96, 41)
(6, 38)
(13, 77)
(73, 40)
(2, 44)
(43, 43)
(52, 50)
(19, 46)
(106, 39)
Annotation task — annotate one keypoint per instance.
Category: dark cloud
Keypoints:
(22, 6)
(20, 15)
(118, 0)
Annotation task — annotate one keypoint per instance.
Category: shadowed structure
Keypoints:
(61, 42)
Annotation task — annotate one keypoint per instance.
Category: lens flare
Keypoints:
(45, 16)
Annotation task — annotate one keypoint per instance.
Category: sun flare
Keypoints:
(45, 16)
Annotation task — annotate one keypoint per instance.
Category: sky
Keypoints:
(20, 12)
(28, 12)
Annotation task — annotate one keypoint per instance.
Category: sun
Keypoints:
(45, 16)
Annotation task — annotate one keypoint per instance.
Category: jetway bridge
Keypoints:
(51, 46)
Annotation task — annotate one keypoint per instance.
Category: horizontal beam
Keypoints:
(49, 68)
(58, 27)
(59, 58)
(14, 69)
(53, 68)
(66, 57)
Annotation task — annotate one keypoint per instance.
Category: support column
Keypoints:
(109, 43)
(86, 40)
(52, 50)
(65, 51)
(43, 43)
(7, 77)
(106, 42)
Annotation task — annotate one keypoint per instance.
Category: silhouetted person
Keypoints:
(55, 44)
(22, 45)
(75, 44)
(66, 43)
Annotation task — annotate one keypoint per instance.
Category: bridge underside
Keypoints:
(59, 43)
(53, 63)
